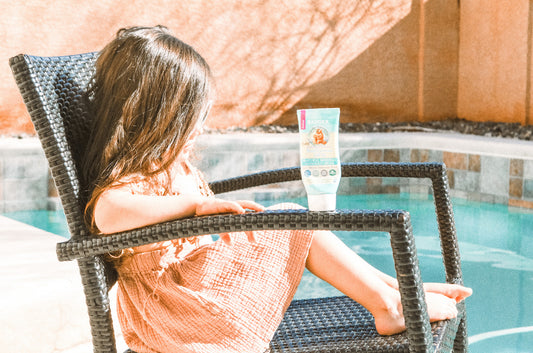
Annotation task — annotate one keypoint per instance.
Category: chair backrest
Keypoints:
(54, 90)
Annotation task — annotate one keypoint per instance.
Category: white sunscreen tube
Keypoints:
(319, 156)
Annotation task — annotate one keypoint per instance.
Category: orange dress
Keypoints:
(205, 296)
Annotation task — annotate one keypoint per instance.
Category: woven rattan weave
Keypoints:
(54, 91)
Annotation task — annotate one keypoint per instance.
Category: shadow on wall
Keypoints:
(409, 73)
(310, 58)
(285, 68)
(375, 59)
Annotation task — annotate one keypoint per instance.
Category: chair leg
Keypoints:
(95, 287)
(461, 339)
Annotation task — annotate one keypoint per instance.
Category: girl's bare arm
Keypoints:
(118, 210)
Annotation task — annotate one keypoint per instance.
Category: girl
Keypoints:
(151, 95)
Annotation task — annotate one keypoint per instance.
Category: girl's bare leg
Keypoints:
(454, 291)
(331, 260)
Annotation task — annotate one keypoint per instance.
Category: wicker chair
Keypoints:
(53, 89)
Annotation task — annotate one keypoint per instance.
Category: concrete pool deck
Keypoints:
(43, 305)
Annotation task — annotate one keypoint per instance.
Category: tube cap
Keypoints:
(322, 202)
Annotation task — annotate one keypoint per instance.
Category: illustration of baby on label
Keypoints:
(319, 137)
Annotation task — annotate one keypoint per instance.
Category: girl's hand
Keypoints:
(211, 206)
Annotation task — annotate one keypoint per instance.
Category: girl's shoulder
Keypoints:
(193, 181)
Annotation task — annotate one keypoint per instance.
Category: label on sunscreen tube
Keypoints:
(319, 156)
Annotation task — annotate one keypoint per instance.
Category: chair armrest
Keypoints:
(405, 170)
(436, 172)
(397, 223)
(342, 220)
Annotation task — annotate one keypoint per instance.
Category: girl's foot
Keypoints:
(390, 320)
(454, 291)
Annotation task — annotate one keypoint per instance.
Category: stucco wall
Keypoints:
(377, 60)
(495, 61)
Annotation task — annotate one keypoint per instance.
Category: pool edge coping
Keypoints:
(451, 142)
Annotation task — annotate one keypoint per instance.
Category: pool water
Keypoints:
(496, 244)
(52, 221)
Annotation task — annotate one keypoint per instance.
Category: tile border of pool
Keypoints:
(488, 169)
(452, 142)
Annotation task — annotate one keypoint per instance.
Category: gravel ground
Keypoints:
(462, 126)
(507, 130)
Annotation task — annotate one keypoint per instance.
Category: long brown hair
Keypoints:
(148, 94)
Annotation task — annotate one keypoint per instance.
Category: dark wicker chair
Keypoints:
(53, 89)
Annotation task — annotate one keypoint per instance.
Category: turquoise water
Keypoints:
(496, 245)
(51, 221)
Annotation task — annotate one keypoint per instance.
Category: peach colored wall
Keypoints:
(378, 60)
(269, 57)
(495, 61)
(408, 73)
(439, 54)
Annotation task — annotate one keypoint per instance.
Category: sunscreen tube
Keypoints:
(319, 156)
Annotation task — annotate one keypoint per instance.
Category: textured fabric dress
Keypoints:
(199, 295)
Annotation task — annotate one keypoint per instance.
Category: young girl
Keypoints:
(151, 95)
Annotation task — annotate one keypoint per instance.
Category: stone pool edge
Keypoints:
(488, 169)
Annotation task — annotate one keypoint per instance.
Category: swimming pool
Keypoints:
(496, 245)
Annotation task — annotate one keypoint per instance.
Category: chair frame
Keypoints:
(53, 91)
